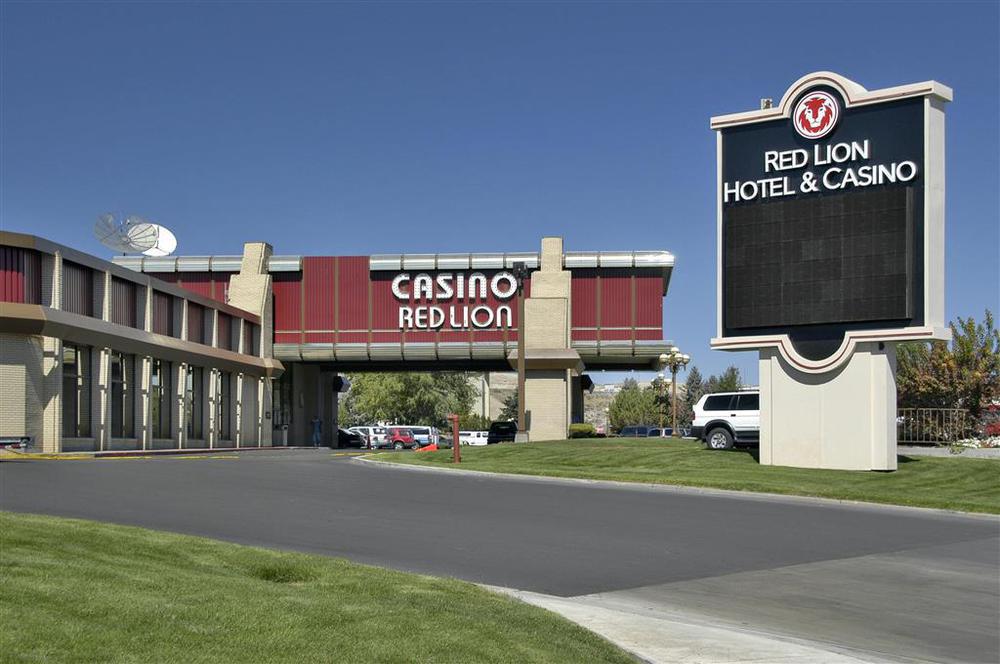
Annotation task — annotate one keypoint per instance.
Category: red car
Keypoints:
(398, 438)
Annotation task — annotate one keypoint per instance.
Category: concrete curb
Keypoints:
(146, 454)
(689, 490)
(945, 452)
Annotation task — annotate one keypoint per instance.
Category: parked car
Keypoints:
(726, 419)
(501, 432)
(425, 435)
(346, 438)
(373, 435)
(398, 438)
(474, 437)
(635, 431)
(665, 432)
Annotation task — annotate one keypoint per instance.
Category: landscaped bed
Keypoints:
(82, 591)
(971, 485)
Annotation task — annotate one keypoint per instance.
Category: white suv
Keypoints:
(726, 419)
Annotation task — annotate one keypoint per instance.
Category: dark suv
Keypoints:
(501, 432)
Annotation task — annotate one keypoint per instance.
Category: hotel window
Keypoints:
(282, 398)
(224, 333)
(253, 339)
(76, 391)
(225, 401)
(193, 402)
(196, 322)
(124, 308)
(163, 313)
(77, 289)
(160, 391)
(122, 395)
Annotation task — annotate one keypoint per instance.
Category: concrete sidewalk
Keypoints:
(663, 635)
(828, 611)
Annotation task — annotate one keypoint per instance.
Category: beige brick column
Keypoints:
(179, 430)
(238, 436)
(550, 360)
(51, 389)
(250, 290)
(23, 362)
(144, 423)
(50, 381)
(212, 412)
(143, 417)
(100, 397)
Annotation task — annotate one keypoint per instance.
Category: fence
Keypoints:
(931, 426)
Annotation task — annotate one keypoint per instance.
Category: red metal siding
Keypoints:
(352, 293)
(318, 272)
(337, 299)
(20, 275)
(214, 285)
(616, 298)
(287, 287)
(163, 313)
(584, 298)
(201, 283)
(649, 301)
(77, 289)
(385, 306)
(123, 302)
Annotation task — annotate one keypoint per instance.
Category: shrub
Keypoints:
(582, 431)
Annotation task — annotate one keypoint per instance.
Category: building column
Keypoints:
(238, 436)
(100, 421)
(212, 412)
(51, 385)
(178, 411)
(250, 290)
(549, 358)
(802, 422)
(144, 406)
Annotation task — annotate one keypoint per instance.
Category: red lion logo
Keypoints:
(815, 115)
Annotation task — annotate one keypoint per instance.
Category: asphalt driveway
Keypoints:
(831, 573)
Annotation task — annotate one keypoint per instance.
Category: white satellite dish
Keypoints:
(166, 242)
(134, 235)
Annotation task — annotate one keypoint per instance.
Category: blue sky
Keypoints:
(374, 128)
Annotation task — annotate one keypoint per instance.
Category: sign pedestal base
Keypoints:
(844, 420)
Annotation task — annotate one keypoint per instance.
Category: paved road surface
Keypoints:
(874, 583)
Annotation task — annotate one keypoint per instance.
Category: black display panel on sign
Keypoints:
(823, 233)
(832, 259)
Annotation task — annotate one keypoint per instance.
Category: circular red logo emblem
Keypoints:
(815, 115)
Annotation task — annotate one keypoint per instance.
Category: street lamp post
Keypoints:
(661, 383)
(675, 360)
(520, 271)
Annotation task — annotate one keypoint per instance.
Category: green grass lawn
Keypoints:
(82, 591)
(966, 484)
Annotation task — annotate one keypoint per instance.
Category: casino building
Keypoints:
(242, 351)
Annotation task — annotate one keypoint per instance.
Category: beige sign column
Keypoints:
(817, 413)
(550, 361)
(250, 290)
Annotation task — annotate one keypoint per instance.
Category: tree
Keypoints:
(729, 381)
(694, 389)
(473, 422)
(509, 411)
(633, 405)
(966, 375)
(424, 398)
